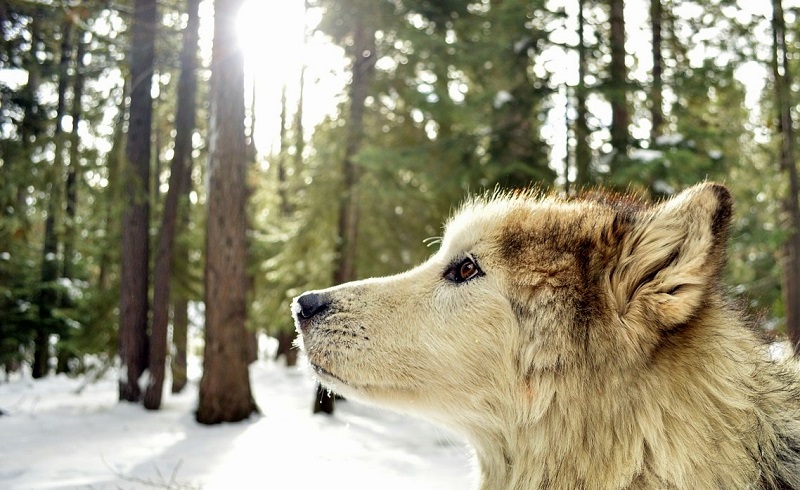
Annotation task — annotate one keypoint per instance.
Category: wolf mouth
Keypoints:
(324, 372)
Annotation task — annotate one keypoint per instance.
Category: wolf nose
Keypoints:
(311, 304)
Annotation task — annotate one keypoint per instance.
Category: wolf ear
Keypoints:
(671, 256)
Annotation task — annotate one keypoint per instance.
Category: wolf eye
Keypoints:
(463, 271)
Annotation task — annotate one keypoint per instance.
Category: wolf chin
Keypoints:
(580, 343)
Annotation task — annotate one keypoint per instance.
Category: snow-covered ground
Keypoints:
(52, 437)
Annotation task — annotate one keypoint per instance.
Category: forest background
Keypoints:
(159, 156)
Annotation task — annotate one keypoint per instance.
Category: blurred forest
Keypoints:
(443, 98)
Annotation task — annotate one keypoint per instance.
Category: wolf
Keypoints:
(577, 343)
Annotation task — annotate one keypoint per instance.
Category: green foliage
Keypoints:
(463, 99)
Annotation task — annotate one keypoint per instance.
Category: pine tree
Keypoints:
(134, 279)
(791, 249)
(181, 160)
(225, 386)
(618, 79)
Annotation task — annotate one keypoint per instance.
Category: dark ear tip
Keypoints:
(724, 211)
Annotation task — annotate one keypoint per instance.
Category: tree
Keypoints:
(583, 152)
(791, 248)
(73, 171)
(656, 95)
(48, 297)
(181, 160)
(362, 57)
(618, 79)
(225, 394)
(134, 282)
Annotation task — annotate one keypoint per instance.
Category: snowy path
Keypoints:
(53, 438)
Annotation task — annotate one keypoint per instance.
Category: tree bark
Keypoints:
(134, 281)
(111, 218)
(656, 94)
(791, 248)
(363, 68)
(225, 394)
(184, 127)
(48, 296)
(583, 152)
(180, 334)
(283, 155)
(618, 79)
(31, 126)
(286, 347)
(74, 164)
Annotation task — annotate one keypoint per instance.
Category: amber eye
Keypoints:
(463, 271)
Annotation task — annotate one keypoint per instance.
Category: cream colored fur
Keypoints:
(594, 351)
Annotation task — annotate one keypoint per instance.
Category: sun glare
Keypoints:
(275, 45)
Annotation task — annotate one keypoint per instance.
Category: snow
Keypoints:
(669, 139)
(55, 438)
(502, 98)
(645, 155)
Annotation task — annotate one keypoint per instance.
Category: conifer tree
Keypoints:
(134, 278)
(225, 394)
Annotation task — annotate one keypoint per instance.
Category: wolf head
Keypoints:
(523, 288)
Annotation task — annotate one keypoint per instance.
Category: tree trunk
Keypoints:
(618, 79)
(48, 295)
(134, 282)
(363, 69)
(656, 95)
(286, 347)
(225, 394)
(184, 127)
(583, 152)
(791, 258)
(31, 125)
(283, 155)
(114, 161)
(180, 334)
(74, 164)
(299, 132)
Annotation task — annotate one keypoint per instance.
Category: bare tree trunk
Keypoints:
(31, 126)
(73, 171)
(583, 152)
(134, 282)
(114, 163)
(299, 132)
(286, 337)
(180, 334)
(184, 127)
(363, 68)
(225, 394)
(656, 95)
(618, 79)
(285, 347)
(791, 259)
(283, 154)
(363, 53)
(48, 296)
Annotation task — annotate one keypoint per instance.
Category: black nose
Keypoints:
(311, 304)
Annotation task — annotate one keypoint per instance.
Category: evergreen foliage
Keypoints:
(465, 97)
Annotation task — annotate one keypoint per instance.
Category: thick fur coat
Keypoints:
(577, 344)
